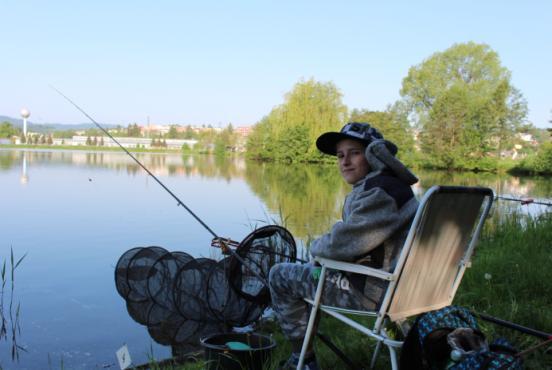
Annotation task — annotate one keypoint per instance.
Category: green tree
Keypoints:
(88, 140)
(173, 133)
(92, 132)
(543, 160)
(64, 134)
(133, 130)
(316, 106)
(49, 140)
(392, 123)
(7, 130)
(539, 163)
(206, 140)
(309, 109)
(463, 105)
(190, 133)
(226, 140)
(258, 143)
(450, 136)
(293, 144)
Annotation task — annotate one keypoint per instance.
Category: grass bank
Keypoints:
(509, 279)
(88, 148)
(539, 163)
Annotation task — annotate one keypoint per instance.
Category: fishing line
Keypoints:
(224, 247)
(180, 203)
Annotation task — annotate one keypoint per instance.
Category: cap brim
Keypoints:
(327, 142)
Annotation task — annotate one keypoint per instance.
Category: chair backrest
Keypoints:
(438, 248)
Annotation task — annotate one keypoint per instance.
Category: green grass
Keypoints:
(10, 310)
(509, 279)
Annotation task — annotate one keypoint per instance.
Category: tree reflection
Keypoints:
(8, 159)
(308, 197)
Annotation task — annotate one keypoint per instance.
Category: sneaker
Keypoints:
(293, 361)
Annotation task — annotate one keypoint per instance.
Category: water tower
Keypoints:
(25, 114)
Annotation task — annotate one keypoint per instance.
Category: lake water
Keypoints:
(75, 213)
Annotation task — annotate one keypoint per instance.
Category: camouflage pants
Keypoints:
(290, 283)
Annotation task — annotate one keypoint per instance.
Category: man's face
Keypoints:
(351, 160)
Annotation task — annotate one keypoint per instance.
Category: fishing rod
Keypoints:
(547, 337)
(513, 326)
(220, 241)
(523, 201)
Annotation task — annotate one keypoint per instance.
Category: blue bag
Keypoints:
(450, 338)
(500, 356)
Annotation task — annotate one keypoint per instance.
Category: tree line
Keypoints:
(458, 110)
(209, 140)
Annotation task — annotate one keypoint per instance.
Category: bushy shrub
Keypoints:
(539, 163)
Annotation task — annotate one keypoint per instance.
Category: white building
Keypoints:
(127, 142)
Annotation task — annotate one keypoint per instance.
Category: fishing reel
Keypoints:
(224, 244)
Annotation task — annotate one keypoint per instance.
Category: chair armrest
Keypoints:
(355, 268)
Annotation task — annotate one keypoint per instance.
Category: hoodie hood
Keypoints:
(381, 156)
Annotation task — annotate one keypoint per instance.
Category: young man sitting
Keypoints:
(377, 214)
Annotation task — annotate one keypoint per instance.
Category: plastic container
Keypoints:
(237, 351)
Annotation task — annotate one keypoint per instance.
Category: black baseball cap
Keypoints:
(359, 131)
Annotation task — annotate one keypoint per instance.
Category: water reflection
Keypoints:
(307, 198)
(159, 164)
(24, 177)
(539, 188)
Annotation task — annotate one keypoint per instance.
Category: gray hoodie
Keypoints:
(376, 215)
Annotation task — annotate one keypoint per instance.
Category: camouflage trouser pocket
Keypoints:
(290, 284)
(340, 280)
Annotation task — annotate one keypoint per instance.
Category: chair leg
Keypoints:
(393, 357)
(375, 355)
(312, 317)
(378, 327)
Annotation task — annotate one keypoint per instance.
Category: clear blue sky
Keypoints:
(216, 62)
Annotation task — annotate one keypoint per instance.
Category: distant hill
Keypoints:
(49, 127)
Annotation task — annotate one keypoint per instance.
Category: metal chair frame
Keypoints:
(393, 307)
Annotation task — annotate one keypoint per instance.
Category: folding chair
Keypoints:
(429, 268)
